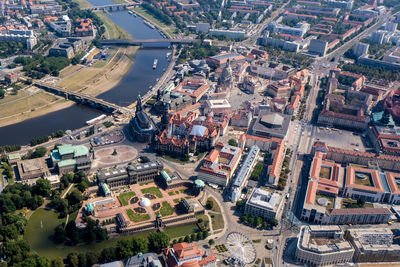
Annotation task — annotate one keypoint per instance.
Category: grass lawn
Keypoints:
(256, 174)
(137, 217)
(346, 204)
(325, 172)
(182, 230)
(115, 31)
(125, 197)
(367, 181)
(176, 160)
(166, 209)
(217, 221)
(205, 224)
(149, 17)
(83, 3)
(152, 190)
(40, 238)
(215, 208)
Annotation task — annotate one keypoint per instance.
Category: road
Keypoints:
(342, 49)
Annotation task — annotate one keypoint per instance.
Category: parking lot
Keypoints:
(340, 138)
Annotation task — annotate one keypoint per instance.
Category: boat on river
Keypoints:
(155, 63)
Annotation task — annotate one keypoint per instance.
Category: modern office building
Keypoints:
(361, 49)
(373, 245)
(265, 204)
(318, 47)
(323, 245)
(244, 173)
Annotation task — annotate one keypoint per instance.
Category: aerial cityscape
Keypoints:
(199, 133)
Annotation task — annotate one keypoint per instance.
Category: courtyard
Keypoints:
(140, 203)
(113, 155)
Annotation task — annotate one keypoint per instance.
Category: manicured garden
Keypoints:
(166, 209)
(137, 217)
(152, 190)
(125, 197)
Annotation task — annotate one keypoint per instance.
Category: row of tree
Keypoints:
(125, 248)
(38, 65)
(260, 222)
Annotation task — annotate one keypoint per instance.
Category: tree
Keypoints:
(273, 222)
(38, 153)
(258, 221)
(8, 171)
(211, 242)
(42, 187)
(140, 244)
(158, 241)
(193, 236)
(187, 239)
(57, 262)
(59, 234)
(73, 260)
(251, 220)
(233, 142)
(209, 204)
(124, 249)
(75, 197)
(205, 234)
(361, 202)
(199, 236)
(108, 254)
(92, 258)
(82, 260)
(2, 93)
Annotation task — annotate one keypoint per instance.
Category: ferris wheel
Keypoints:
(241, 248)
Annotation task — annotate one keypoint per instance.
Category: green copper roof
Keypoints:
(165, 176)
(14, 156)
(67, 162)
(89, 207)
(105, 189)
(81, 151)
(65, 149)
(199, 183)
(78, 151)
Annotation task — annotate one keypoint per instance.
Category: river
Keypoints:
(137, 80)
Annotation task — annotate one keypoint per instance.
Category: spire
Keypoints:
(139, 103)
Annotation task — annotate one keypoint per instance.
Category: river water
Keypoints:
(137, 80)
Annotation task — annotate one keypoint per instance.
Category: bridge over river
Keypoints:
(81, 98)
(111, 7)
(140, 42)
